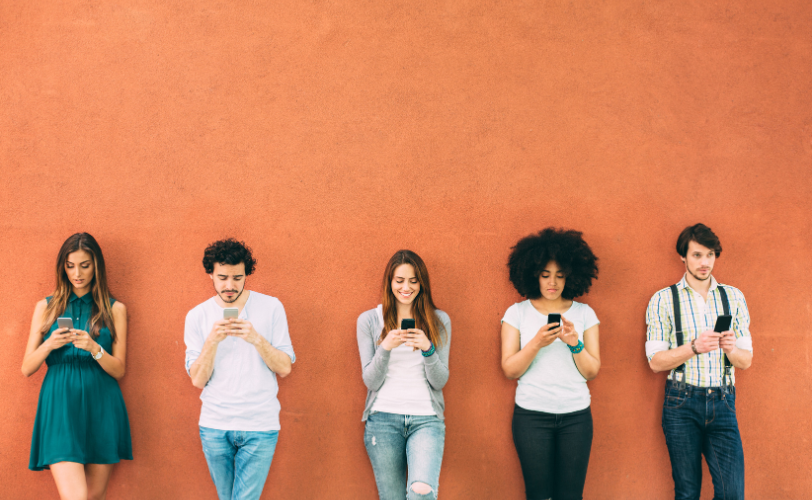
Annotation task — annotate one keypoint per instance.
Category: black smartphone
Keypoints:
(406, 324)
(554, 318)
(723, 323)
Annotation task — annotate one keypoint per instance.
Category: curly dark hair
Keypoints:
(565, 247)
(229, 252)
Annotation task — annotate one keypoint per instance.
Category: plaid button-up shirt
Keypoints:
(703, 370)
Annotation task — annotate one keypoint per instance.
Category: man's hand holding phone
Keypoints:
(220, 331)
(707, 341)
(727, 342)
(243, 329)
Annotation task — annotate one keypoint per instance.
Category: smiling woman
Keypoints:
(404, 357)
(81, 428)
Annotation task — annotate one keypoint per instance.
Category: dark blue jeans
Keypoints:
(553, 451)
(702, 421)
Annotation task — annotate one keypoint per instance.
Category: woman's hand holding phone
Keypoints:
(547, 335)
(393, 339)
(417, 339)
(568, 334)
(58, 339)
(82, 340)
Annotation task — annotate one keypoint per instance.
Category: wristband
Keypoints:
(577, 347)
(428, 353)
(693, 347)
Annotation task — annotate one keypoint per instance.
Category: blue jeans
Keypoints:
(403, 450)
(702, 421)
(239, 461)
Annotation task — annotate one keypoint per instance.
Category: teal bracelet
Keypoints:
(577, 348)
(428, 353)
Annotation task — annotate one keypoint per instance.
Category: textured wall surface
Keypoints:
(327, 135)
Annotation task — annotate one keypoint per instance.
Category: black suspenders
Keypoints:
(678, 330)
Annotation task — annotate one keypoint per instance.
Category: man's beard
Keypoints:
(695, 276)
(224, 299)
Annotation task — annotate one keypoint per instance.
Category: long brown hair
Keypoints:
(423, 308)
(102, 314)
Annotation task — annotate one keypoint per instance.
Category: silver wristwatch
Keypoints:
(99, 354)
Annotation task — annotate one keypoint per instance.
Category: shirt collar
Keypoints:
(86, 298)
(683, 283)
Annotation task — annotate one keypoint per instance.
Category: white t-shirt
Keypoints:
(406, 389)
(552, 382)
(241, 393)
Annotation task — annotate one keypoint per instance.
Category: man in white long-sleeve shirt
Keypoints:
(236, 361)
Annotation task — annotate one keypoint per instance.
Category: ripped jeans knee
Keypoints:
(421, 491)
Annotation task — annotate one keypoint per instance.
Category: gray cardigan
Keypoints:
(375, 360)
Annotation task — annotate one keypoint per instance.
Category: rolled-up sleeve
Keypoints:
(658, 326)
(741, 323)
(193, 338)
(280, 336)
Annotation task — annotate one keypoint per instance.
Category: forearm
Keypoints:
(740, 358)
(670, 359)
(587, 364)
(278, 361)
(110, 364)
(33, 361)
(202, 368)
(436, 370)
(374, 371)
(515, 365)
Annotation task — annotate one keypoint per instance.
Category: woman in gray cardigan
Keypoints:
(404, 356)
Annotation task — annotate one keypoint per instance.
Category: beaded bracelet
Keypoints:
(576, 348)
(428, 353)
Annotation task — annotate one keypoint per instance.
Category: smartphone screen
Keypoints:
(723, 323)
(230, 312)
(406, 324)
(554, 318)
(65, 322)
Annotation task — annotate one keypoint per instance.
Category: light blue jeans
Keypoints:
(239, 461)
(403, 450)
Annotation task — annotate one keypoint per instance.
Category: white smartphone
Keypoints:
(65, 323)
(230, 312)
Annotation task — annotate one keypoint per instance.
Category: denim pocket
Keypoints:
(674, 398)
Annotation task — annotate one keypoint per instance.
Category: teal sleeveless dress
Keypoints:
(81, 415)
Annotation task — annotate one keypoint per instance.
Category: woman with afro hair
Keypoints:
(552, 421)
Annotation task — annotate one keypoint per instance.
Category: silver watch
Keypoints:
(99, 355)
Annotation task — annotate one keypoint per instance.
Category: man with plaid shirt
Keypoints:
(699, 412)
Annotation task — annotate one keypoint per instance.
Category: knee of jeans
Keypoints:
(421, 491)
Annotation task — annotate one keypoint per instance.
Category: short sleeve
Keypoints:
(590, 318)
(280, 337)
(193, 338)
(512, 316)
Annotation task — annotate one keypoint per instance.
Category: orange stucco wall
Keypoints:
(329, 134)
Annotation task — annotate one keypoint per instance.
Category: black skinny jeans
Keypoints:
(554, 452)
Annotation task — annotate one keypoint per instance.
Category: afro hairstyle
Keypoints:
(565, 247)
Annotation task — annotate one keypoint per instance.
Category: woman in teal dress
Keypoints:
(81, 428)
